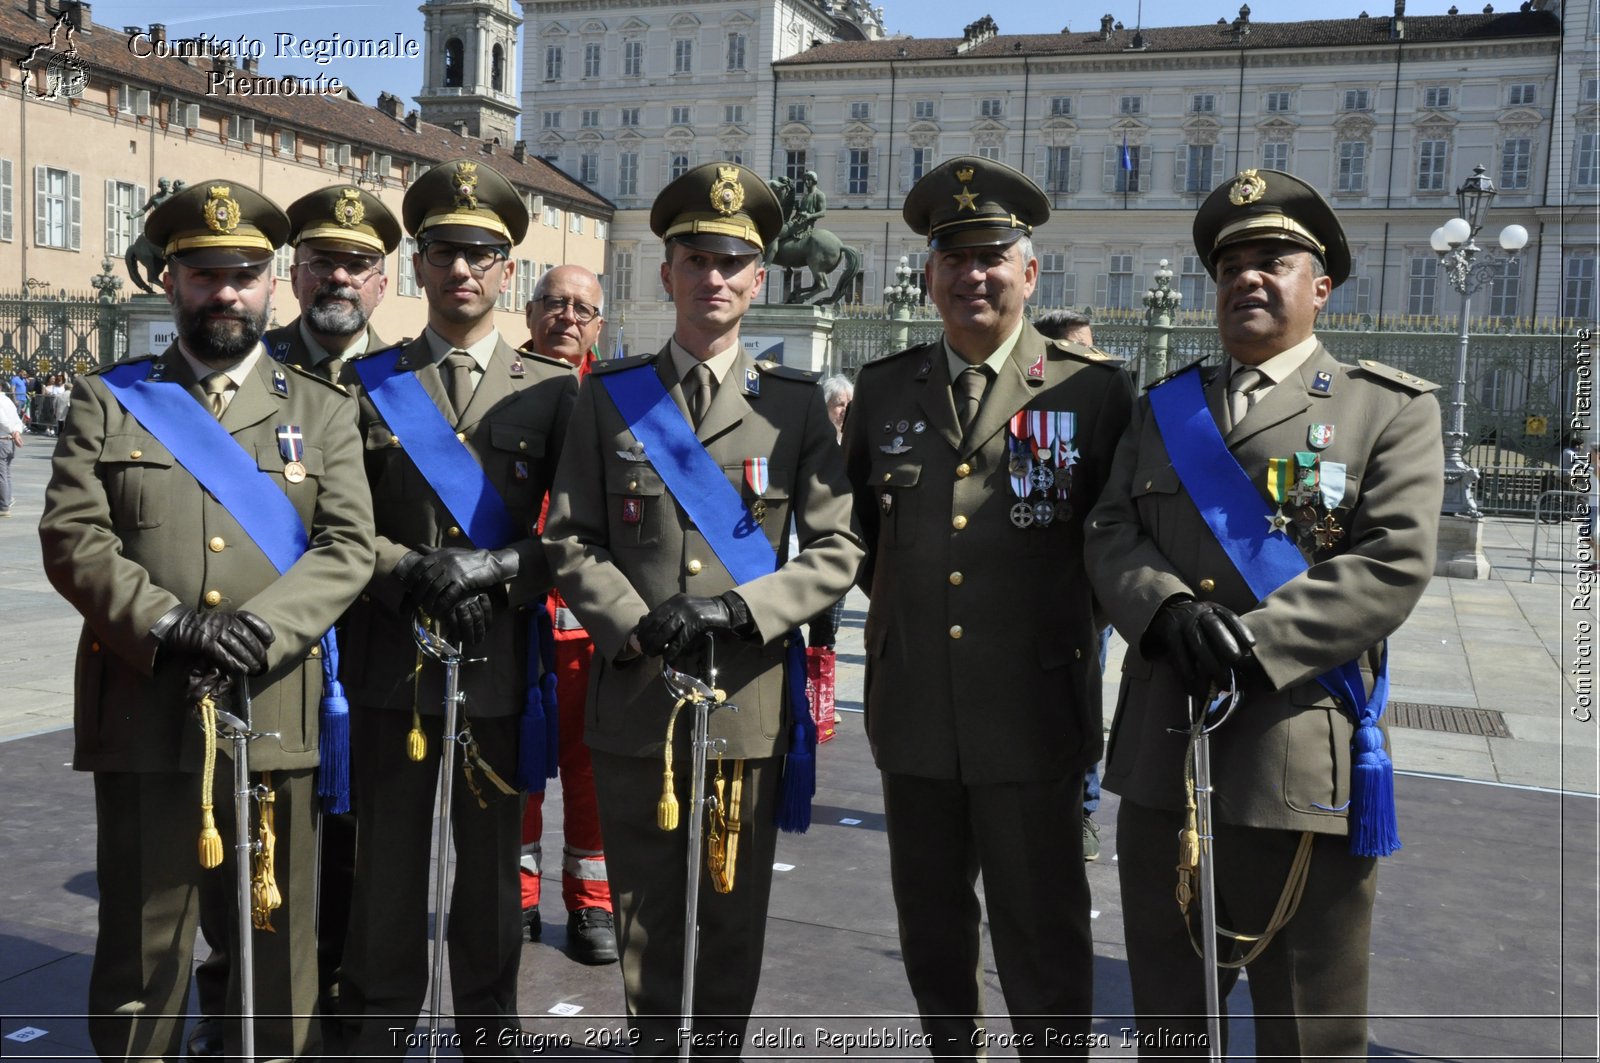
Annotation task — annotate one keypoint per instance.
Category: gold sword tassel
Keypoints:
(210, 839)
(264, 894)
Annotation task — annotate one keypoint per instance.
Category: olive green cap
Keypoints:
(347, 215)
(1271, 205)
(217, 224)
(466, 202)
(720, 207)
(968, 201)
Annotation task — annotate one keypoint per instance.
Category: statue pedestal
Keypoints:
(150, 327)
(1461, 549)
(804, 333)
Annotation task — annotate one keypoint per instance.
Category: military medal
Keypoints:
(1022, 515)
(1042, 478)
(1333, 482)
(1043, 513)
(756, 476)
(1279, 472)
(902, 427)
(291, 446)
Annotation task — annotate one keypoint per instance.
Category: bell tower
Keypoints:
(470, 79)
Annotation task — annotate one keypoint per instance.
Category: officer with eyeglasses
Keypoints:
(500, 416)
(341, 236)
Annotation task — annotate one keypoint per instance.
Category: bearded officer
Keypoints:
(455, 520)
(341, 237)
(974, 460)
(1333, 473)
(152, 529)
(650, 581)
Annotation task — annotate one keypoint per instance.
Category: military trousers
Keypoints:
(1026, 839)
(1308, 989)
(151, 884)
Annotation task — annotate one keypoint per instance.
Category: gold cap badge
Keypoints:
(1247, 188)
(220, 212)
(347, 210)
(727, 193)
(964, 174)
(465, 181)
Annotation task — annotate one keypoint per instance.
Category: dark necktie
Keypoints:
(969, 387)
(458, 367)
(216, 386)
(1241, 394)
(700, 383)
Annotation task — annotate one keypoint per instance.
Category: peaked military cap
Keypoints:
(720, 207)
(344, 214)
(466, 202)
(216, 225)
(1271, 205)
(973, 202)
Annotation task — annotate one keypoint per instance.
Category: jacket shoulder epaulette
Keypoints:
(302, 372)
(887, 359)
(381, 350)
(787, 372)
(543, 359)
(1410, 381)
(1085, 353)
(97, 370)
(612, 365)
(1196, 364)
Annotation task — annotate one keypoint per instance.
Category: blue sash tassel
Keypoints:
(1236, 513)
(333, 741)
(539, 748)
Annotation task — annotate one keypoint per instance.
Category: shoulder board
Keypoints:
(784, 372)
(1409, 381)
(97, 370)
(380, 350)
(612, 365)
(542, 359)
(1085, 353)
(921, 348)
(1196, 364)
(309, 375)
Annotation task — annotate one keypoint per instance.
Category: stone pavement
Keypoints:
(1484, 932)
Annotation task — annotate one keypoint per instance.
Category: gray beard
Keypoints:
(336, 318)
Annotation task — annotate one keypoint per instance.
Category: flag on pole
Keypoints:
(618, 352)
(1127, 159)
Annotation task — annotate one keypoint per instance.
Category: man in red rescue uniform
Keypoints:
(564, 319)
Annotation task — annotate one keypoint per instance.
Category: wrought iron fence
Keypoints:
(69, 333)
(1520, 394)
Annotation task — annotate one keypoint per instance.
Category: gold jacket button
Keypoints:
(1078, 654)
(959, 522)
(522, 444)
(1148, 484)
(963, 471)
(694, 567)
(461, 437)
(94, 647)
(213, 598)
(887, 477)
(1208, 585)
(955, 631)
(956, 578)
(394, 441)
(216, 544)
(633, 485)
(453, 532)
(135, 454)
(316, 651)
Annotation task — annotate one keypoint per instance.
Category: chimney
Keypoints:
(413, 121)
(158, 32)
(459, 127)
(1105, 27)
(33, 10)
(487, 147)
(389, 104)
(519, 151)
(248, 63)
(1397, 24)
(77, 15)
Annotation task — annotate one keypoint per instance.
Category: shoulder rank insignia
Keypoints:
(280, 350)
(925, 368)
(752, 381)
(280, 382)
(1036, 370)
(1322, 383)
(516, 368)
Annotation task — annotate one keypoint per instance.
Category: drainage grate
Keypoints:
(1448, 718)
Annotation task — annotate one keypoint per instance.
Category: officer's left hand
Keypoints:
(680, 622)
(468, 623)
(445, 577)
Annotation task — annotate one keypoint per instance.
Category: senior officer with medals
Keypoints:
(462, 435)
(341, 236)
(646, 546)
(974, 460)
(208, 516)
(1268, 523)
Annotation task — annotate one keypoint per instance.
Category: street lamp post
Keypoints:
(900, 298)
(1160, 304)
(1467, 267)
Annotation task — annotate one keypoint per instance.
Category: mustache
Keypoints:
(336, 291)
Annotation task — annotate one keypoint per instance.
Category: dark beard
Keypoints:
(220, 340)
(334, 318)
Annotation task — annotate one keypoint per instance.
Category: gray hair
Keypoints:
(837, 385)
(1055, 324)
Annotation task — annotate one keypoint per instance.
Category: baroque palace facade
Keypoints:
(1127, 130)
(90, 125)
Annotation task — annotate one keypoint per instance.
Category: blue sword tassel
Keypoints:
(799, 783)
(333, 744)
(538, 749)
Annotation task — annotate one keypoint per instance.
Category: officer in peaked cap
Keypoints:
(217, 224)
(974, 459)
(642, 606)
(973, 202)
(1339, 467)
(508, 411)
(341, 236)
(1271, 205)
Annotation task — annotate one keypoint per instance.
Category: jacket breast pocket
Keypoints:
(895, 481)
(635, 503)
(770, 508)
(1153, 491)
(515, 464)
(138, 472)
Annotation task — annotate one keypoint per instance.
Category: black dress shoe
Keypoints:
(591, 937)
(205, 1039)
(530, 923)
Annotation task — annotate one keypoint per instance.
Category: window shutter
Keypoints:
(1108, 169)
(1180, 168)
(141, 196)
(74, 211)
(6, 206)
(111, 217)
(1146, 160)
(1217, 154)
(1074, 170)
(1102, 285)
(41, 212)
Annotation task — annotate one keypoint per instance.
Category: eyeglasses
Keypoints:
(480, 259)
(359, 270)
(555, 305)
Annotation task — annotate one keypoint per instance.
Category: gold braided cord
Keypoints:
(416, 741)
(667, 807)
(210, 840)
(264, 895)
(722, 839)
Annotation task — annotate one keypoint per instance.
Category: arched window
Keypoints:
(497, 69)
(454, 63)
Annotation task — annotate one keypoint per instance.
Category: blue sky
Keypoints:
(926, 18)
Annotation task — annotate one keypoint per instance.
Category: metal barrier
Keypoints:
(1554, 508)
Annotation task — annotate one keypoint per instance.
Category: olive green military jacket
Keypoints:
(982, 646)
(1283, 760)
(287, 345)
(128, 534)
(621, 545)
(513, 427)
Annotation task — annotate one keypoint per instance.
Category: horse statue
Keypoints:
(142, 253)
(800, 244)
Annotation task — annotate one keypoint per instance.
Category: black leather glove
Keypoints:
(448, 575)
(468, 623)
(232, 641)
(685, 619)
(1205, 642)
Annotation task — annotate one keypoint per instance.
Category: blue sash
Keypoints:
(431, 444)
(464, 488)
(224, 468)
(702, 490)
(1236, 513)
